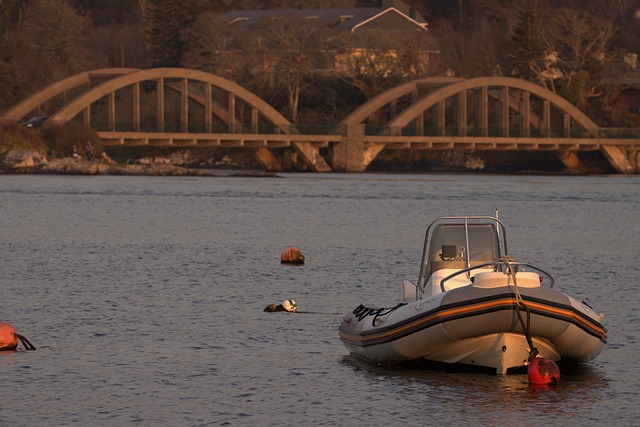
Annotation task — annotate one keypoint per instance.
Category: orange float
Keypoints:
(543, 372)
(9, 338)
(292, 255)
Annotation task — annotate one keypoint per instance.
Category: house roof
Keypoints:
(346, 19)
(342, 20)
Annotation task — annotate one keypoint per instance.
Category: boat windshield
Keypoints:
(449, 243)
(461, 242)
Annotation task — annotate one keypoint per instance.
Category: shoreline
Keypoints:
(74, 166)
(33, 165)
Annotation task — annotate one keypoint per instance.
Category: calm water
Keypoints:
(144, 297)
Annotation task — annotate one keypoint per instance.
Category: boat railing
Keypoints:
(506, 266)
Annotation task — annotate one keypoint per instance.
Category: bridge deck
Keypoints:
(391, 142)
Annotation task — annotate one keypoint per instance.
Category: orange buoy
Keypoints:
(292, 255)
(543, 371)
(9, 338)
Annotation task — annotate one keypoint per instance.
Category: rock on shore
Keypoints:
(21, 159)
(32, 162)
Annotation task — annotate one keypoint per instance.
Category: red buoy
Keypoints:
(292, 255)
(543, 371)
(9, 338)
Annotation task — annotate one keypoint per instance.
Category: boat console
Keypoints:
(453, 244)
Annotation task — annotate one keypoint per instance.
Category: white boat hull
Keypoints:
(475, 306)
(476, 326)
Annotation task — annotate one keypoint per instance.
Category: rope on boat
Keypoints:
(361, 311)
(526, 328)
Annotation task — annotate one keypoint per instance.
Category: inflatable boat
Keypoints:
(473, 304)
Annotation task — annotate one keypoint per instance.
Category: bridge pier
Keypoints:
(348, 154)
(311, 156)
(619, 159)
(570, 160)
(265, 157)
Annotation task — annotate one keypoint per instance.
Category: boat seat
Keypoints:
(442, 269)
(433, 285)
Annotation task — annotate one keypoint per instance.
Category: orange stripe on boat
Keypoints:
(468, 309)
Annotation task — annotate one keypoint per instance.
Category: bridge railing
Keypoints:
(622, 133)
(102, 125)
(497, 131)
(171, 126)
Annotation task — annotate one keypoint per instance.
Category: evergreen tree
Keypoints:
(527, 43)
(166, 25)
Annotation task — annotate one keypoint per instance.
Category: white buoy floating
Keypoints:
(287, 305)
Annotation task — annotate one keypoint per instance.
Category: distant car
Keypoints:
(34, 122)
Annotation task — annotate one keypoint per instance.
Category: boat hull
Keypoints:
(476, 326)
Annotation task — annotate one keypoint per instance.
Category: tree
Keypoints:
(581, 38)
(527, 44)
(290, 46)
(10, 13)
(118, 45)
(626, 39)
(166, 25)
(373, 62)
(212, 46)
(43, 41)
(472, 35)
(55, 31)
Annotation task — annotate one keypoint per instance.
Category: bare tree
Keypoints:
(579, 36)
(118, 45)
(473, 36)
(373, 62)
(289, 45)
(213, 45)
(577, 43)
(56, 31)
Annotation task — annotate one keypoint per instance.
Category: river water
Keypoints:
(144, 297)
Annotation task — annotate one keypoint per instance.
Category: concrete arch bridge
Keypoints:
(190, 108)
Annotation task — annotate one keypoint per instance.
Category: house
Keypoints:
(372, 34)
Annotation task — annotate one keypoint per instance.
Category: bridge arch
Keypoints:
(120, 98)
(505, 84)
(494, 110)
(109, 87)
(360, 114)
(78, 81)
(440, 89)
